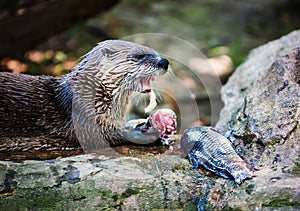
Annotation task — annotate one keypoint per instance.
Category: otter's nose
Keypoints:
(163, 63)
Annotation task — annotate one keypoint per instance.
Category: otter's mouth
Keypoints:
(145, 84)
(146, 88)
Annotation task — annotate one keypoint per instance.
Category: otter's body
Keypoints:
(30, 108)
(87, 105)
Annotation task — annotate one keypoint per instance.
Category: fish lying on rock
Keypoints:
(207, 147)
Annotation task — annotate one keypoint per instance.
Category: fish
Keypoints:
(207, 147)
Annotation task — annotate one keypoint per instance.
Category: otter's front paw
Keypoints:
(159, 125)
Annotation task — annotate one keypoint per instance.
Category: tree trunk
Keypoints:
(24, 24)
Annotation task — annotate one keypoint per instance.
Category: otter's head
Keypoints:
(125, 66)
(117, 68)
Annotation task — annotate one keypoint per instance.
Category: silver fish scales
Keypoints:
(207, 147)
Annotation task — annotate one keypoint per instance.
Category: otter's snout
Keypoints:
(163, 63)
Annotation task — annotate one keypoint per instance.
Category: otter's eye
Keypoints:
(139, 57)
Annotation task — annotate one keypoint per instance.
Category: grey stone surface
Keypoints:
(93, 182)
(252, 70)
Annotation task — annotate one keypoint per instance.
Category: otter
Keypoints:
(84, 108)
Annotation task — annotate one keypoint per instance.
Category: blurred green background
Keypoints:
(216, 27)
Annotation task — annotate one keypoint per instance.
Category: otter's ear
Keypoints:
(93, 59)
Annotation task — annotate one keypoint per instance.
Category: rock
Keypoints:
(219, 66)
(94, 182)
(261, 107)
(252, 70)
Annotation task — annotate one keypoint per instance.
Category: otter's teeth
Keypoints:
(145, 85)
(152, 103)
